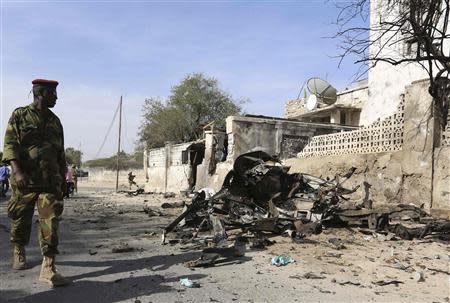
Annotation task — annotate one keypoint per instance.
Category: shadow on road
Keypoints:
(103, 292)
(154, 263)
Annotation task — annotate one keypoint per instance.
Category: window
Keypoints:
(343, 118)
(184, 157)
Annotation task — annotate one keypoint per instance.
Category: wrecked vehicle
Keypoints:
(259, 195)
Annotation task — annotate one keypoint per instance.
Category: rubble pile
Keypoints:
(259, 197)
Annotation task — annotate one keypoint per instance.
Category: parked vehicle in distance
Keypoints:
(82, 173)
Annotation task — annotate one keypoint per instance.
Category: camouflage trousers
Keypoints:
(131, 182)
(21, 210)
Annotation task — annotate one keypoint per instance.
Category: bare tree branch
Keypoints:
(421, 25)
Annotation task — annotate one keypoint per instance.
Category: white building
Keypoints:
(388, 82)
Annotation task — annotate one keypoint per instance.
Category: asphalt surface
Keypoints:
(98, 220)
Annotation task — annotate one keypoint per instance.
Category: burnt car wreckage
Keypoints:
(260, 197)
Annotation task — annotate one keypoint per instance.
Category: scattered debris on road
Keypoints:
(281, 260)
(189, 283)
(173, 205)
(151, 212)
(387, 282)
(123, 248)
(136, 192)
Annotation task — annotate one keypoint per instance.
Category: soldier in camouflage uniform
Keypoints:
(34, 147)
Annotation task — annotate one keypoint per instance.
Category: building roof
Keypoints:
(327, 110)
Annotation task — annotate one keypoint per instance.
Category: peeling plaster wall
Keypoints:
(247, 134)
(404, 176)
(107, 176)
(165, 170)
(204, 179)
(294, 108)
(441, 189)
(156, 170)
(214, 181)
(273, 136)
(399, 177)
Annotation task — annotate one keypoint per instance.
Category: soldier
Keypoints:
(131, 179)
(34, 147)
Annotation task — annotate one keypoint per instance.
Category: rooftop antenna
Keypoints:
(322, 93)
(301, 89)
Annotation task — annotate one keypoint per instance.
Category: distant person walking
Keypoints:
(4, 179)
(131, 179)
(69, 181)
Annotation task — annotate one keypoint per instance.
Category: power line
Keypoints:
(107, 133)
(125, 131)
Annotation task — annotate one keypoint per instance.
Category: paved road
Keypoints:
(95, 222)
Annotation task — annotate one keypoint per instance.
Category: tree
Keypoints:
(162, 123)
(421, 25)
(126, 161)
(73, 156)
(193, 103)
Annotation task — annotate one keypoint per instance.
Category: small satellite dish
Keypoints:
(323, 90)
(311, 102)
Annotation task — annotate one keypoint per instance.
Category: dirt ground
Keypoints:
(97, 220)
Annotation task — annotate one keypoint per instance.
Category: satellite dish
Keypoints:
(323, 90)
(311, 102)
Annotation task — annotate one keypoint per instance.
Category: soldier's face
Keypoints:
(49, 97)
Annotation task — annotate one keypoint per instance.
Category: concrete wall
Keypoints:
(294, 108)
(215, 180)
(441, 182)
(355, 97)
(274, 136)
(107, 178)
(245, 134)
(407, 176)
(166, 172)
(395, 177)
(399, 177)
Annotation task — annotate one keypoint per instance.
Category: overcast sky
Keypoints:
(100, 50)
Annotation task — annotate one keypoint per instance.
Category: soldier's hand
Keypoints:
(21, 179)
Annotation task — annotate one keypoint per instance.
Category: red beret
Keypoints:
(44, 82)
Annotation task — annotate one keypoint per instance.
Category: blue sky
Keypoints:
(99, 50)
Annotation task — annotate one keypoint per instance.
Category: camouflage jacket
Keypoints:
(36, 141)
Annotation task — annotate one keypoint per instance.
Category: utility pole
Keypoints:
(81, 156)
(118, 146)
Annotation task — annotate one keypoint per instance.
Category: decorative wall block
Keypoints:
(381, 136)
